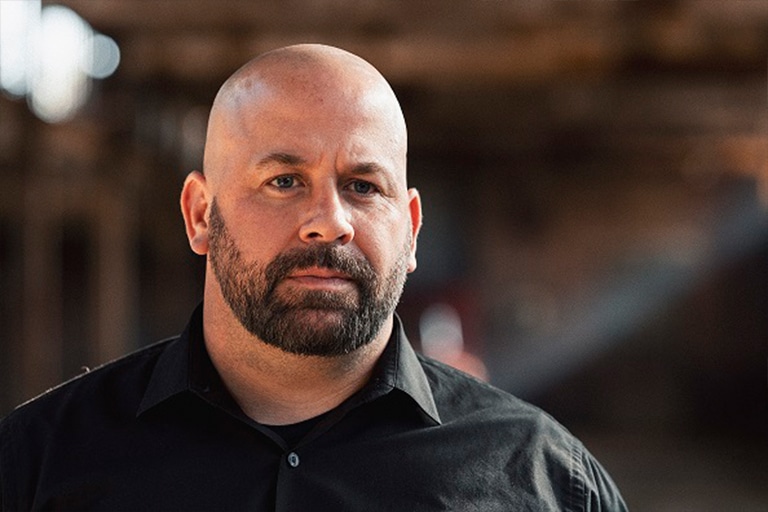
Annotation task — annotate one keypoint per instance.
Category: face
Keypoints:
(310, 227)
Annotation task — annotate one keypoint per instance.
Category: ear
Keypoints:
(414, 209)
(194, 207)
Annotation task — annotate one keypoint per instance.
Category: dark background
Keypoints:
(594, 185)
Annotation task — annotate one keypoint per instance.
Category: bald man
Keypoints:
(294, 387)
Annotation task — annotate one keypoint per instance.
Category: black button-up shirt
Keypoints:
(157, 430)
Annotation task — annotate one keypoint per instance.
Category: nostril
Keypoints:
(331, 224)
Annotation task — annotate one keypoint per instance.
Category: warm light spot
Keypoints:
(440, 329)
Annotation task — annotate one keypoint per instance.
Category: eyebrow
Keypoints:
(283, 159)
(368, 168)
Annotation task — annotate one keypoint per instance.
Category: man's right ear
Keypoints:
(194, 207)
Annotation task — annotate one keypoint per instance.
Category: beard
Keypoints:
(305, 322)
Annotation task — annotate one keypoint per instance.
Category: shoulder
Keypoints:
(467, 403)
(458, 394)
(54, 431)
(119, 382)
(525, 437)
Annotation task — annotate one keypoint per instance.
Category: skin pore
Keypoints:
(305, 167)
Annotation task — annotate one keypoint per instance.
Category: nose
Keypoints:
(326, 220)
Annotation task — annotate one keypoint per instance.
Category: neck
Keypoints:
(274, 387)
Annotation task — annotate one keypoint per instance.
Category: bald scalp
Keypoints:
(305, 72)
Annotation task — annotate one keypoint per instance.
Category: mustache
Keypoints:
(331, 257)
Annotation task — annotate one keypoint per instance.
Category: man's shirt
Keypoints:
(157, 430)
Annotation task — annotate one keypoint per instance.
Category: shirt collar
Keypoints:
(171, 374)
(399, 368)
(184, 366)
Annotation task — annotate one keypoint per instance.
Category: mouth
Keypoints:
(321, 279)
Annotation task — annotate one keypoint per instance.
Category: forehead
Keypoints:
(311, 122)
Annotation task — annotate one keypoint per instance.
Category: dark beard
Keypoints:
(311, 322)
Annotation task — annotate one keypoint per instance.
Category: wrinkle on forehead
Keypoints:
(310, 73)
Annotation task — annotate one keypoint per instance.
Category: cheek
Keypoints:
(382, 242)
(262, 233)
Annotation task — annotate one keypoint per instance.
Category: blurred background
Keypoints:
(595, 186)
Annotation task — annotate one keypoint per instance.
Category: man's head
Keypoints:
(304, 210)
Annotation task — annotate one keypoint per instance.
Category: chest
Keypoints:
(391, 467)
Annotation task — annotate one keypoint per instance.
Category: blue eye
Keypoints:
(284, 181)
(363, 187)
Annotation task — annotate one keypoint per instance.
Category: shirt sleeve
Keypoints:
(2, 467)
(592, 488)
(11, 468)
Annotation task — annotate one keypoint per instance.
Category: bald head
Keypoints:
(294, 64)
(317, 80)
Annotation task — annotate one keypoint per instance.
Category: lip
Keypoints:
(320, 278)
(319, 273)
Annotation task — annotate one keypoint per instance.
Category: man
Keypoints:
(293, 387)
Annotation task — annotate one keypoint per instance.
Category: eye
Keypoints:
(286, 181)
(363, 187)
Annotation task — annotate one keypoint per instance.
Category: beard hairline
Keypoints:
(252, 304)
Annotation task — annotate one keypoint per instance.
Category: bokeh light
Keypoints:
(105, 56)
(19, 20)
(50, 55)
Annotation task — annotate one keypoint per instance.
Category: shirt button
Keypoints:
(293, 459)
